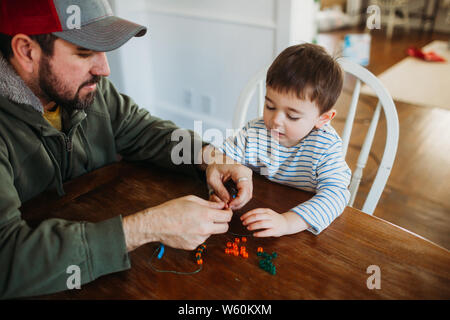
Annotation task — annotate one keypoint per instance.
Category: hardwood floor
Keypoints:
(417, 194)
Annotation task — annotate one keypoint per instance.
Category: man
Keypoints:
(61, 118)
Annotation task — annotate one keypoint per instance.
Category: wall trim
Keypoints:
(207, 16)
(164, 107)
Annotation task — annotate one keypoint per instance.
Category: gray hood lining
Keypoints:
(14, 88)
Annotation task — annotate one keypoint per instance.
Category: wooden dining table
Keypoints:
(358, 256)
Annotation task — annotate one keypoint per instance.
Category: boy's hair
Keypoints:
(46, 42)
(308, 71)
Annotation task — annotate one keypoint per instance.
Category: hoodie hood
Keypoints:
(14, 88)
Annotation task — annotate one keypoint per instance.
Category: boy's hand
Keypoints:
(273, 223)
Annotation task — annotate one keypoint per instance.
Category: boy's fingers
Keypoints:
(251, 212)
(264, 233)
(255, 217)
(262, 224)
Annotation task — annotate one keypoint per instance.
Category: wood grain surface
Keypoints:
(331, 265)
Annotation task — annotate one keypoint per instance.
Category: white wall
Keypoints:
(199, 54)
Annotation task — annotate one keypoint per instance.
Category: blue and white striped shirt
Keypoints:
(315, 164)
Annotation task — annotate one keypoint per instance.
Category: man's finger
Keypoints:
(218, 228)
(219, 189)
(245, 189)
(214, 198)
(241, 199)
(220, 216)
(209, 204)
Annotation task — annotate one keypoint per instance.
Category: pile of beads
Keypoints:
(234, 249)
(266, 263)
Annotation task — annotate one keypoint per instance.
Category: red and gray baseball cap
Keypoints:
(87, 23)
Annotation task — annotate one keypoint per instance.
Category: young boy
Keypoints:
(294, 144)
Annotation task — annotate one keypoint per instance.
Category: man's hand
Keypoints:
(182, 223)
(220, 169)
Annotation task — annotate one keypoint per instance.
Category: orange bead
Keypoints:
(198, 254)
(229, 245)
(200, 261)
(260, 249)
(236, 253)
(227, 251)
(245, 255)
(244, 239)
(236, 240)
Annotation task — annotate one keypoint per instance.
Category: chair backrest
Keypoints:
(385, 102)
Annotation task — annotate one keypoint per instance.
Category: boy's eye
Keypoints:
(269, 107)
(293, 118)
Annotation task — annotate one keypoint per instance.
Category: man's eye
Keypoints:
(84, 55)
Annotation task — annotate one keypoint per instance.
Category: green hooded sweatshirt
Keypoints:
(34, 157)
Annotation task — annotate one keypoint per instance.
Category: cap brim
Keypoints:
(103, 35)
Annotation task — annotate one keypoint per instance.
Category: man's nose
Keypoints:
(101, 66)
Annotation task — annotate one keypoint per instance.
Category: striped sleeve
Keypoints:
(234, 146)
(332, 195)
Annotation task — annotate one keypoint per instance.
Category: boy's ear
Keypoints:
(325, 118)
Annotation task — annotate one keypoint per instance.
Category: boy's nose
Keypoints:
(277, 119)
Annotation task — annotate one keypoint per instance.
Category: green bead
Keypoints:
(274, 254)
(258, 254)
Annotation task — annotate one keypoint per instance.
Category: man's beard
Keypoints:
(53, 90)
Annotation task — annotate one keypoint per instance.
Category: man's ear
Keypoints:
(26, 53)
(325, 118)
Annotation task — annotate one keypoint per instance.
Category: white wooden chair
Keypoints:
(391, 7)
(257, 85)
